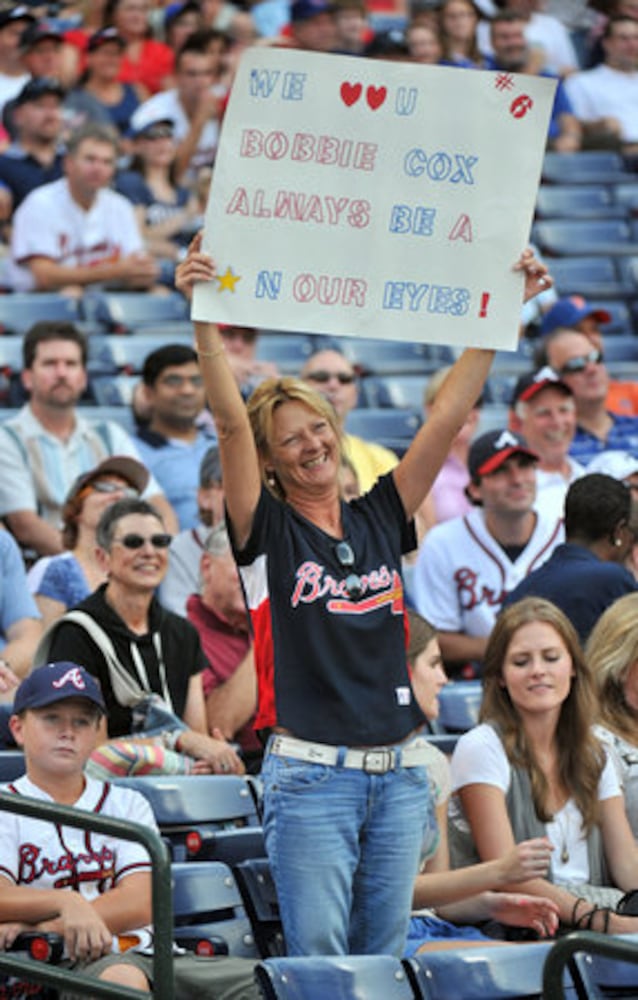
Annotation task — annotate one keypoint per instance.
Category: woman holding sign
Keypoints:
(347, 796)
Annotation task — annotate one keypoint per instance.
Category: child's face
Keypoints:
(57, 740)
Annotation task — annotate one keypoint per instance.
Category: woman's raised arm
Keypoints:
(240, 464)
(420, 465)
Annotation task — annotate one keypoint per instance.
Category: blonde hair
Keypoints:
(611, 651)
(434, 384)
(580, 755)
(266, 399)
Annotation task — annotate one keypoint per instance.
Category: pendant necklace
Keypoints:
(564, 834)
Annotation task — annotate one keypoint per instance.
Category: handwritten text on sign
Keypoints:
(379, 199)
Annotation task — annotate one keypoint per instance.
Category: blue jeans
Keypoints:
(344, 848)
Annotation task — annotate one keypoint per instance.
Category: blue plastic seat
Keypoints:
(579, 201)
(584, 237)
(622, 347)
(459, 704)
(347, 977)
(621, 319)
(19, 311)
(288, 351)
(208, 913)
(392, 428)
(128, 353)
(393, 357)
(204, 817)
(595, 276)
(589, 167)
(124, 312)
(627, 196)
(258, 891)
(113, 390)
(403, 392)
(513, 972)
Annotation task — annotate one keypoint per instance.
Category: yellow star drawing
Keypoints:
(228, 280)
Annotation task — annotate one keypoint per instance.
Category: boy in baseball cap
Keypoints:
(92, 888)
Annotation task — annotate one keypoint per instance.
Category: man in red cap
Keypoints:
(467, 565)
(543, 412)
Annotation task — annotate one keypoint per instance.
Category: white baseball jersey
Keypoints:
(462, 574)
(49, 223)
(47, 856)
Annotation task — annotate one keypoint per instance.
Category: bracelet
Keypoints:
(581, 899)
(169, 738)
(210, 354)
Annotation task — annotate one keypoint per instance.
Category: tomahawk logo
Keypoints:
(72, 676)
(506, 440)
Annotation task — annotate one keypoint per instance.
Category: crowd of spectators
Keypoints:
(110, 121)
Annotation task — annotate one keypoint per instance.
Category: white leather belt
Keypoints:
(376, 760)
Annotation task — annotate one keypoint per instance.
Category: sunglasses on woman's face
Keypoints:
(346, 559)
(133, 541)
(107, 487)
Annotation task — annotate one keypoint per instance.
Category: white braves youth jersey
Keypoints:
(462, 574)
(48, 856)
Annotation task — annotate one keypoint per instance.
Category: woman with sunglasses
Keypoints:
(59, 582)
(136, 648)
(346, 795)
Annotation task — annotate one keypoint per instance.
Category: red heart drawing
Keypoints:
(375, 96)
(350, 93)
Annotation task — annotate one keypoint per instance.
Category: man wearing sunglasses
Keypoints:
(332, 375)
(580, 365)
(143, 648)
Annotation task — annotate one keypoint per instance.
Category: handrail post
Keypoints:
(559, 956)
(163, 985)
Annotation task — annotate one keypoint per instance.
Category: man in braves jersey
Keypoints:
(91, 887)
(467, 565)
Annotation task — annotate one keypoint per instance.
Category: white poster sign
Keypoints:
(371, 198)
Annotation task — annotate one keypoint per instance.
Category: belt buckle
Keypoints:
(378, 761)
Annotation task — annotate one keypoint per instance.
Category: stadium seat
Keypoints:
(584, 237)
(289, 351)
(579, 201)
(392, 357)
(257, 888)
(621, 318)
(20, 311)
(404, 392)
(628, 270)
(600, 965)
(394, 429)
(113, 390)
(459, 704)
(347, 977)
(622, 347)
(121, 415)
(124, 312)
(11, 765)
(594, 276)
(204, 817)
(626, 195)
(128, 353)
(589, 167)
(208, 914)
(507, 973)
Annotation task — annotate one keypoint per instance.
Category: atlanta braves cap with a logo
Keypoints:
(532, 382)
(55, 682)
(491, 450)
